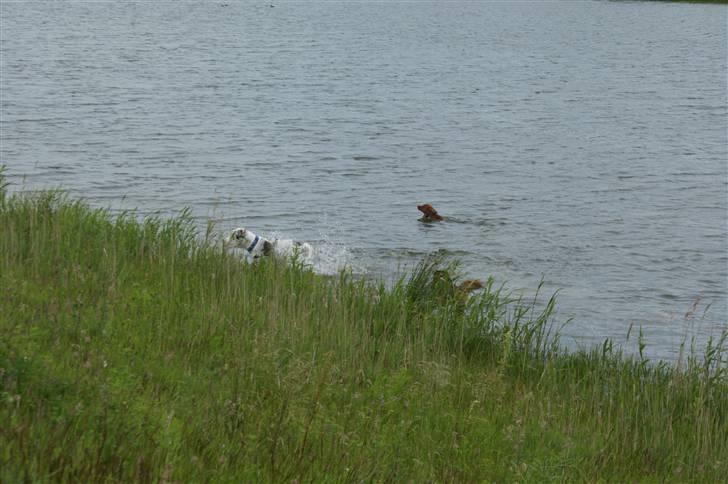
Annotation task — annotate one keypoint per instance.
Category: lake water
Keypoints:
(579, 142)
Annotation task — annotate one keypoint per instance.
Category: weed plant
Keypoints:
(139, 350)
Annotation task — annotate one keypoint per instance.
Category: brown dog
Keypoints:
(430, 214)
(459, 290)
(470, 285)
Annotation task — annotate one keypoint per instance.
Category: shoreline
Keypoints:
(141, 351)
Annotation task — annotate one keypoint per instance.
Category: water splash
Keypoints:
(328, 257)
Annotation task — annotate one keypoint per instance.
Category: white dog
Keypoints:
(257, 246)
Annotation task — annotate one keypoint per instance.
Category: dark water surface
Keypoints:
(581, 142)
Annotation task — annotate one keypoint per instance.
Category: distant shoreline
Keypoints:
(723, 2)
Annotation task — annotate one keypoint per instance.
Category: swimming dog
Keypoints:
(430, 214)
(258, 246)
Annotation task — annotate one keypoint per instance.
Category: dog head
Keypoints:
(429, 212)
(240, 238)
(245, 239)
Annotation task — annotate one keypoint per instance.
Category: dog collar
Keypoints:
(252, 246)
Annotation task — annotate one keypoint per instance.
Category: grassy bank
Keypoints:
(140, 351)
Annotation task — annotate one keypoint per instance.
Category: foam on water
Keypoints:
(330, 258)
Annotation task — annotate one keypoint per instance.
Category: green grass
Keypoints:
(141, 351)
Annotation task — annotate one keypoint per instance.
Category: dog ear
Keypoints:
(267, 248)
(239, 233)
